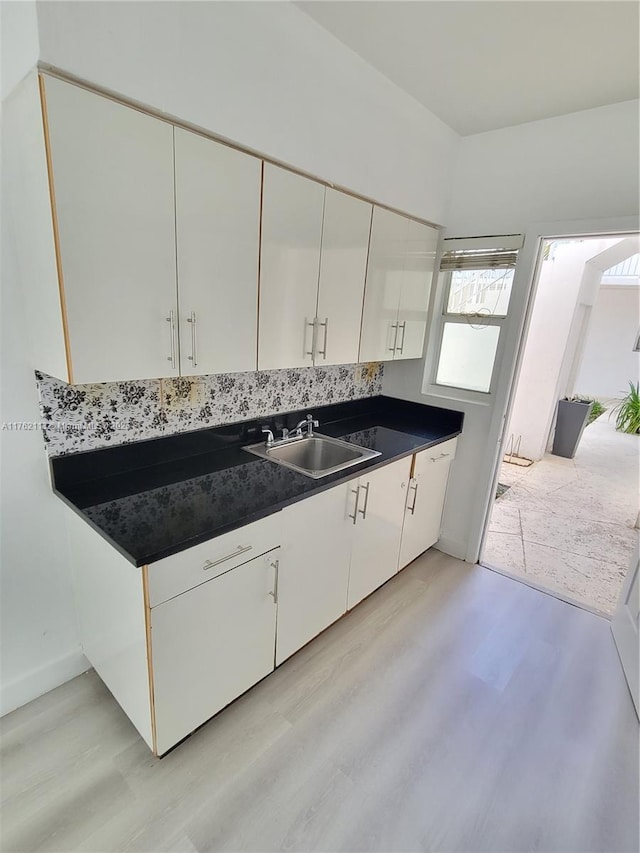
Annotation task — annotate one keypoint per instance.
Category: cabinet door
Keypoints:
(425, 501)
(378, 530)
(112, 175)
(290, 258)
(217, 231)
(385, 268)
(211, 644)
(416, 289)
(343, 265)
(314, 567)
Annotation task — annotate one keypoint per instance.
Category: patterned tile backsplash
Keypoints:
(86, 417)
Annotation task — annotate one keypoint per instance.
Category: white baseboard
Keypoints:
(33, 684)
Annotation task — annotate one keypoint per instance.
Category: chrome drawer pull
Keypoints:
(356, 492)
(314, 335)
(194, 341)
(171, 320)
(323, 351)
(412, 508)
(275, 565)
(241, 549)
(363, 512)
(395, 337)
(402, 326)
(442, 456)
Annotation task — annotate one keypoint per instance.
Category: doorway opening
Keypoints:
(565, 523)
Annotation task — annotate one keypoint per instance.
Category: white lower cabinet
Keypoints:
(314, 567)
(425, 500)
(186, 636)
(210, 644)
(379, 500)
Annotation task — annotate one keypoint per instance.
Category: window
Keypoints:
(478, 277)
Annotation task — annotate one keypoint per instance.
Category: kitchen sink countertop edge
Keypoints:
(155, 498)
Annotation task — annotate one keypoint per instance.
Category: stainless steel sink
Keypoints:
(314, 456)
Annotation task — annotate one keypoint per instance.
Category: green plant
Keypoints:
(627, 411)
(597, 409)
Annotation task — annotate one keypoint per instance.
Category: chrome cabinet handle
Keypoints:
(442, 456)
(395, 337)
(314, 334)
(402, 325)
(171, 320)
(356, 492)
(241, 549)
(413, 484)
(325, 325)
(363, 512)
(194, 342)
(275, 565)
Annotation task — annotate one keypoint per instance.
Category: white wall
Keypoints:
(264, 75)
(579, 166)
(40, 647)
(19, 35)
(558, 297)
(565, 175)
(609, 361)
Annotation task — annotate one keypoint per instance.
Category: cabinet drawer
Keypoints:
(189, 568)
(446, 450)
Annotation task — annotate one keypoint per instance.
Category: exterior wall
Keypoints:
(546, 349)
(609, 361)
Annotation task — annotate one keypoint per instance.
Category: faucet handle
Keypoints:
(269, 435)
(311, 423)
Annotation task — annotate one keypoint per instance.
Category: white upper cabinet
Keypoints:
(343, 265)
(384, 285)
(112, 177)
(292, 208)
(420, 254)
(217, 231)
(312, 272)
(398, 286)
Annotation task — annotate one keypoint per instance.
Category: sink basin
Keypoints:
(314, 456)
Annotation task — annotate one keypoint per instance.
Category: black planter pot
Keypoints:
(570, 423)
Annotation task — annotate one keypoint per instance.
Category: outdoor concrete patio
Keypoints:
(567, 525)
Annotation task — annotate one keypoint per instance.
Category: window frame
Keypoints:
(440, 316)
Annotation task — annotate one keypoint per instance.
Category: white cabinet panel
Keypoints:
(416, 289)
(292, 209)
(377, 533)
(113, 182)
(211, 644)
(425, 500)
(314, 567)
(383, 286)
(343, 264)
(217, 231)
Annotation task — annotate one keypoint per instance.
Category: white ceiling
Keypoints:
(484, 64)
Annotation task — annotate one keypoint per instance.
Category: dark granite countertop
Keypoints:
(155, 498)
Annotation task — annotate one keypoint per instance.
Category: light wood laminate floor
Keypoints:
(454, 710)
